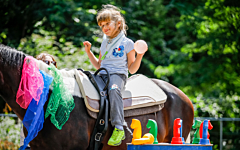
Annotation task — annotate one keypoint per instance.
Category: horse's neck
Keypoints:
(153, 129)
(11, 62)
(10, 91)
(197, 133)
(137, 131)
(176, 131)
(197, 127)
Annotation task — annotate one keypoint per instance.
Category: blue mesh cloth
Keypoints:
(34, 117)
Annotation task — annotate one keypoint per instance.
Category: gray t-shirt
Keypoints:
(117, 60)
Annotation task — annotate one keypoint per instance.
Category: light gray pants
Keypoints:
(116, 84)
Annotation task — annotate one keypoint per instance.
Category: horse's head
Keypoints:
(11, 62)
(177, 123)
(196, 124)
(135, 123)
(152, 124)
(208, 124)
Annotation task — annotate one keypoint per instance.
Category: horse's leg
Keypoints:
(163, 127)
(178, 105)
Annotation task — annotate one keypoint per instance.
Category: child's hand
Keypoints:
(141, 55)
(87, 45)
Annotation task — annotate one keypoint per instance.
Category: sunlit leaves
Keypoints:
(9, 131)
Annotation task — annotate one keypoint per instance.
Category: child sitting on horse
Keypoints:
(117, 55)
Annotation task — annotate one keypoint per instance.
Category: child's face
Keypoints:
(110, 28)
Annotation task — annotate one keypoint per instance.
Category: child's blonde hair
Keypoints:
(110, 12)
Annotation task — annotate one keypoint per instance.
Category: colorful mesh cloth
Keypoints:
(61, 102)
(31, 84)
(34, 117)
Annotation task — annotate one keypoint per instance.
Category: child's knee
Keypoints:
(113, 87)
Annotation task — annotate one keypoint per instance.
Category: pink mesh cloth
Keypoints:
(31, 84)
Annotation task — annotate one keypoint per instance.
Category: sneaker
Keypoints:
(117, 137)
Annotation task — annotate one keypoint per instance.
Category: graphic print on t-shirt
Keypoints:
(118, 51)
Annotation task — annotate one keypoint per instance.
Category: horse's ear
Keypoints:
(1, 78)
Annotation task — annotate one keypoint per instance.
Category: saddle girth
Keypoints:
(101, 124)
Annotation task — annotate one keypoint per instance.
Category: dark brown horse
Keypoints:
(76, 133)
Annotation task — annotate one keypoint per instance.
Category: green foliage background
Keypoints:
(193, 45)
(9, 133)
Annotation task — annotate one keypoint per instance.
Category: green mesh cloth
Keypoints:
(61, 102)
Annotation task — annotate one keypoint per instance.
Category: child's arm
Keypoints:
(134, 63)
(96, 62)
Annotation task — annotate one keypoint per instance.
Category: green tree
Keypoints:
(206, 67)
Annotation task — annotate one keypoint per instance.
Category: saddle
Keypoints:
(140, 95)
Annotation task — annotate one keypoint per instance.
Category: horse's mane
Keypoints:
(11, 57)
